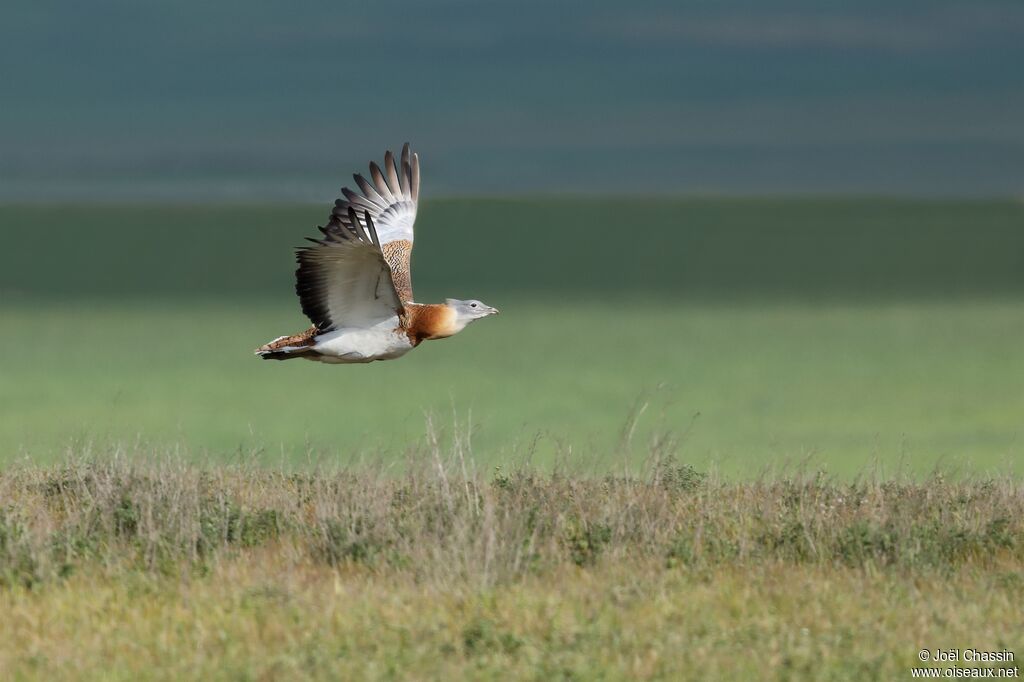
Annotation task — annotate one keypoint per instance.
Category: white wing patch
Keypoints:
(390, 196)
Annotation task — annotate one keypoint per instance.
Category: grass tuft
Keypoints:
(162, 568)
(440, 521)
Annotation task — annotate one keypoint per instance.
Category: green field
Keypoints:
(847, 335)
(121, 569)
(745, 389)
(705, 439)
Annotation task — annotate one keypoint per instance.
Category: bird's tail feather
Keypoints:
(285, 354)
(287, 347)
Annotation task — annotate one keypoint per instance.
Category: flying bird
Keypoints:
(354, 283)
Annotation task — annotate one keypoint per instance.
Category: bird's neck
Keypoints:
(427, 321)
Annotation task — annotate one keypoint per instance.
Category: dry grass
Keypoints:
(443, 524)
(264, 617)
(121, 567)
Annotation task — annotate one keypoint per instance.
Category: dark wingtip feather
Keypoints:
(373, 230)
(358, 228)
(358, 200)
(405, 172)
(369, 191)
(415, 177)
(382, 186)
(389, 168)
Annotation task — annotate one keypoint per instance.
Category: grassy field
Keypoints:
(124, 569)
(715, 439)
(745, 388)
(851, 333)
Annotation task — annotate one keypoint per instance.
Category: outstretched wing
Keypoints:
(389, 197)
(344, 279)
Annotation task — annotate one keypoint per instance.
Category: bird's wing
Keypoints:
(389, 197)
(344, 280)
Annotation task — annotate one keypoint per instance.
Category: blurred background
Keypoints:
(785, 233)
(274, 100)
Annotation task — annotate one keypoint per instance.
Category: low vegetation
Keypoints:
(123, 567)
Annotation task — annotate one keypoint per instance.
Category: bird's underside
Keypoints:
(391, 339)
(354, 283)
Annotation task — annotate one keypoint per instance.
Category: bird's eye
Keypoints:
(472, 305)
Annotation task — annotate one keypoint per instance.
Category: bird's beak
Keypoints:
(494, 311)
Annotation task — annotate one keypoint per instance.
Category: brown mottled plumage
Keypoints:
(301, 339)
(397, 255)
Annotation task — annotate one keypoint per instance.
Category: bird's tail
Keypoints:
(285, 354)
(288, 347)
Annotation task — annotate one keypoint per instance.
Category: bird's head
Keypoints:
(467, 311)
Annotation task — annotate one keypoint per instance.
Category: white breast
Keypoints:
(347, 344)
